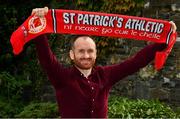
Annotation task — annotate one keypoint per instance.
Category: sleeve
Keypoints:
(49, 62)
(114, 73)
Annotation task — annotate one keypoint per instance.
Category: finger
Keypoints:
(46, 9)
(40, 12)
(34, 11)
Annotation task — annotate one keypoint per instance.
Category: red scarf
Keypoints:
(99, 24)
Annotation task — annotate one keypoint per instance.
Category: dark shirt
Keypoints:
(81, 97)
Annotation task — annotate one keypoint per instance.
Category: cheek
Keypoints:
(77, 56)
(94, 56)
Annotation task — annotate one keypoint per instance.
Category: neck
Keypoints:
(85, 72)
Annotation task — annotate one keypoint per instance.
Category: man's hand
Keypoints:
(173, 26)
(40, 12)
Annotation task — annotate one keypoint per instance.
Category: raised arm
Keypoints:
(132, 65)
(49, 62)
(46, 57)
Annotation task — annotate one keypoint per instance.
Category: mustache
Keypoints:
(89, 59)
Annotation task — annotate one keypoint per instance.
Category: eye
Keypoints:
(90, 50)
(81, 51)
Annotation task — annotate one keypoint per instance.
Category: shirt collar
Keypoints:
(80, 74)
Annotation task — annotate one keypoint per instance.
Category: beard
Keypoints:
(84, 64)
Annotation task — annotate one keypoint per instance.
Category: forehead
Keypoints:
(84, 42)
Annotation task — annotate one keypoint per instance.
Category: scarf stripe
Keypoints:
(168, 36)
(54, 20)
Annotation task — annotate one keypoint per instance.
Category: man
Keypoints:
(82, 90)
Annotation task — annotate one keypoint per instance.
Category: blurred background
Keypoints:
(26, 92)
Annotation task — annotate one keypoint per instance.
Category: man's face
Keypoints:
(83, 52)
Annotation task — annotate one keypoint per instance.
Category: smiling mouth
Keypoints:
(85, 61)
(88, 61)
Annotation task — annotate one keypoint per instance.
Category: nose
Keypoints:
(86, 55)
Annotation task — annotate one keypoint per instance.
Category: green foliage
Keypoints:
(125, 108)
(39, 110)
(11, 90)
(8, 108)
(119, 107)
(19, 68)
(11, 87)
(177, 110)
(130, 7)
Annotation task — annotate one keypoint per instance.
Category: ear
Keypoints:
(71, 54)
